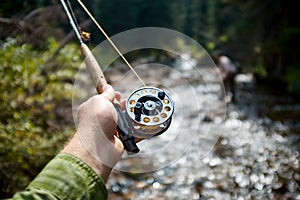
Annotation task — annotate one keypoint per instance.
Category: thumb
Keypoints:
(108, 92)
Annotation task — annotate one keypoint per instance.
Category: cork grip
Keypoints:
(93, 68)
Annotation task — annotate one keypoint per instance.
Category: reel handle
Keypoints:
(99, 81)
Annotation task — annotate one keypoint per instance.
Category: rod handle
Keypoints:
(93, 68)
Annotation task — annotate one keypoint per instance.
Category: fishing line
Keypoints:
(73, 15)
(111, 42)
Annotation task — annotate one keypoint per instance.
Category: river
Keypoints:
(248, 149)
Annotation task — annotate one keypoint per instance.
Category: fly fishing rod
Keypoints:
(148, 110)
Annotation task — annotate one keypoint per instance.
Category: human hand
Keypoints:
(95, 141)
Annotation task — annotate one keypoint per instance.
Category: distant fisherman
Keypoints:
(228, 71)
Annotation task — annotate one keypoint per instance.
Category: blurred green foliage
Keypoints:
(238, 28)
(35, 110)
(36, 82)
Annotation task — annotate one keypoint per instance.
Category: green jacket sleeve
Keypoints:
(65, 177)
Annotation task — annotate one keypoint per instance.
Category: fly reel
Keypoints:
(150, 110)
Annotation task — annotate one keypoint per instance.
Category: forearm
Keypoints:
(65, 177)
(75, 148)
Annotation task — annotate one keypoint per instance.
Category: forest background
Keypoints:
(39, 59)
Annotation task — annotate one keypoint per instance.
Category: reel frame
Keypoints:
(150, 111)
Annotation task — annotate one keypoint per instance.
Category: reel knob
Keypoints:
(150, 110)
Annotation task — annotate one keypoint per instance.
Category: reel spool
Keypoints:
(150, 110)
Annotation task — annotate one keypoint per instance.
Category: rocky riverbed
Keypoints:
(223, 150)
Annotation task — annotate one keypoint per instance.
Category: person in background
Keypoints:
(74, 173)
(228, 72)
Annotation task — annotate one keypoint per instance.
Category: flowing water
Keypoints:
(255, 155)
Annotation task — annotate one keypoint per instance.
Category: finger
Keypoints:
(108, 92)
(118, 96)
(123, 104)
